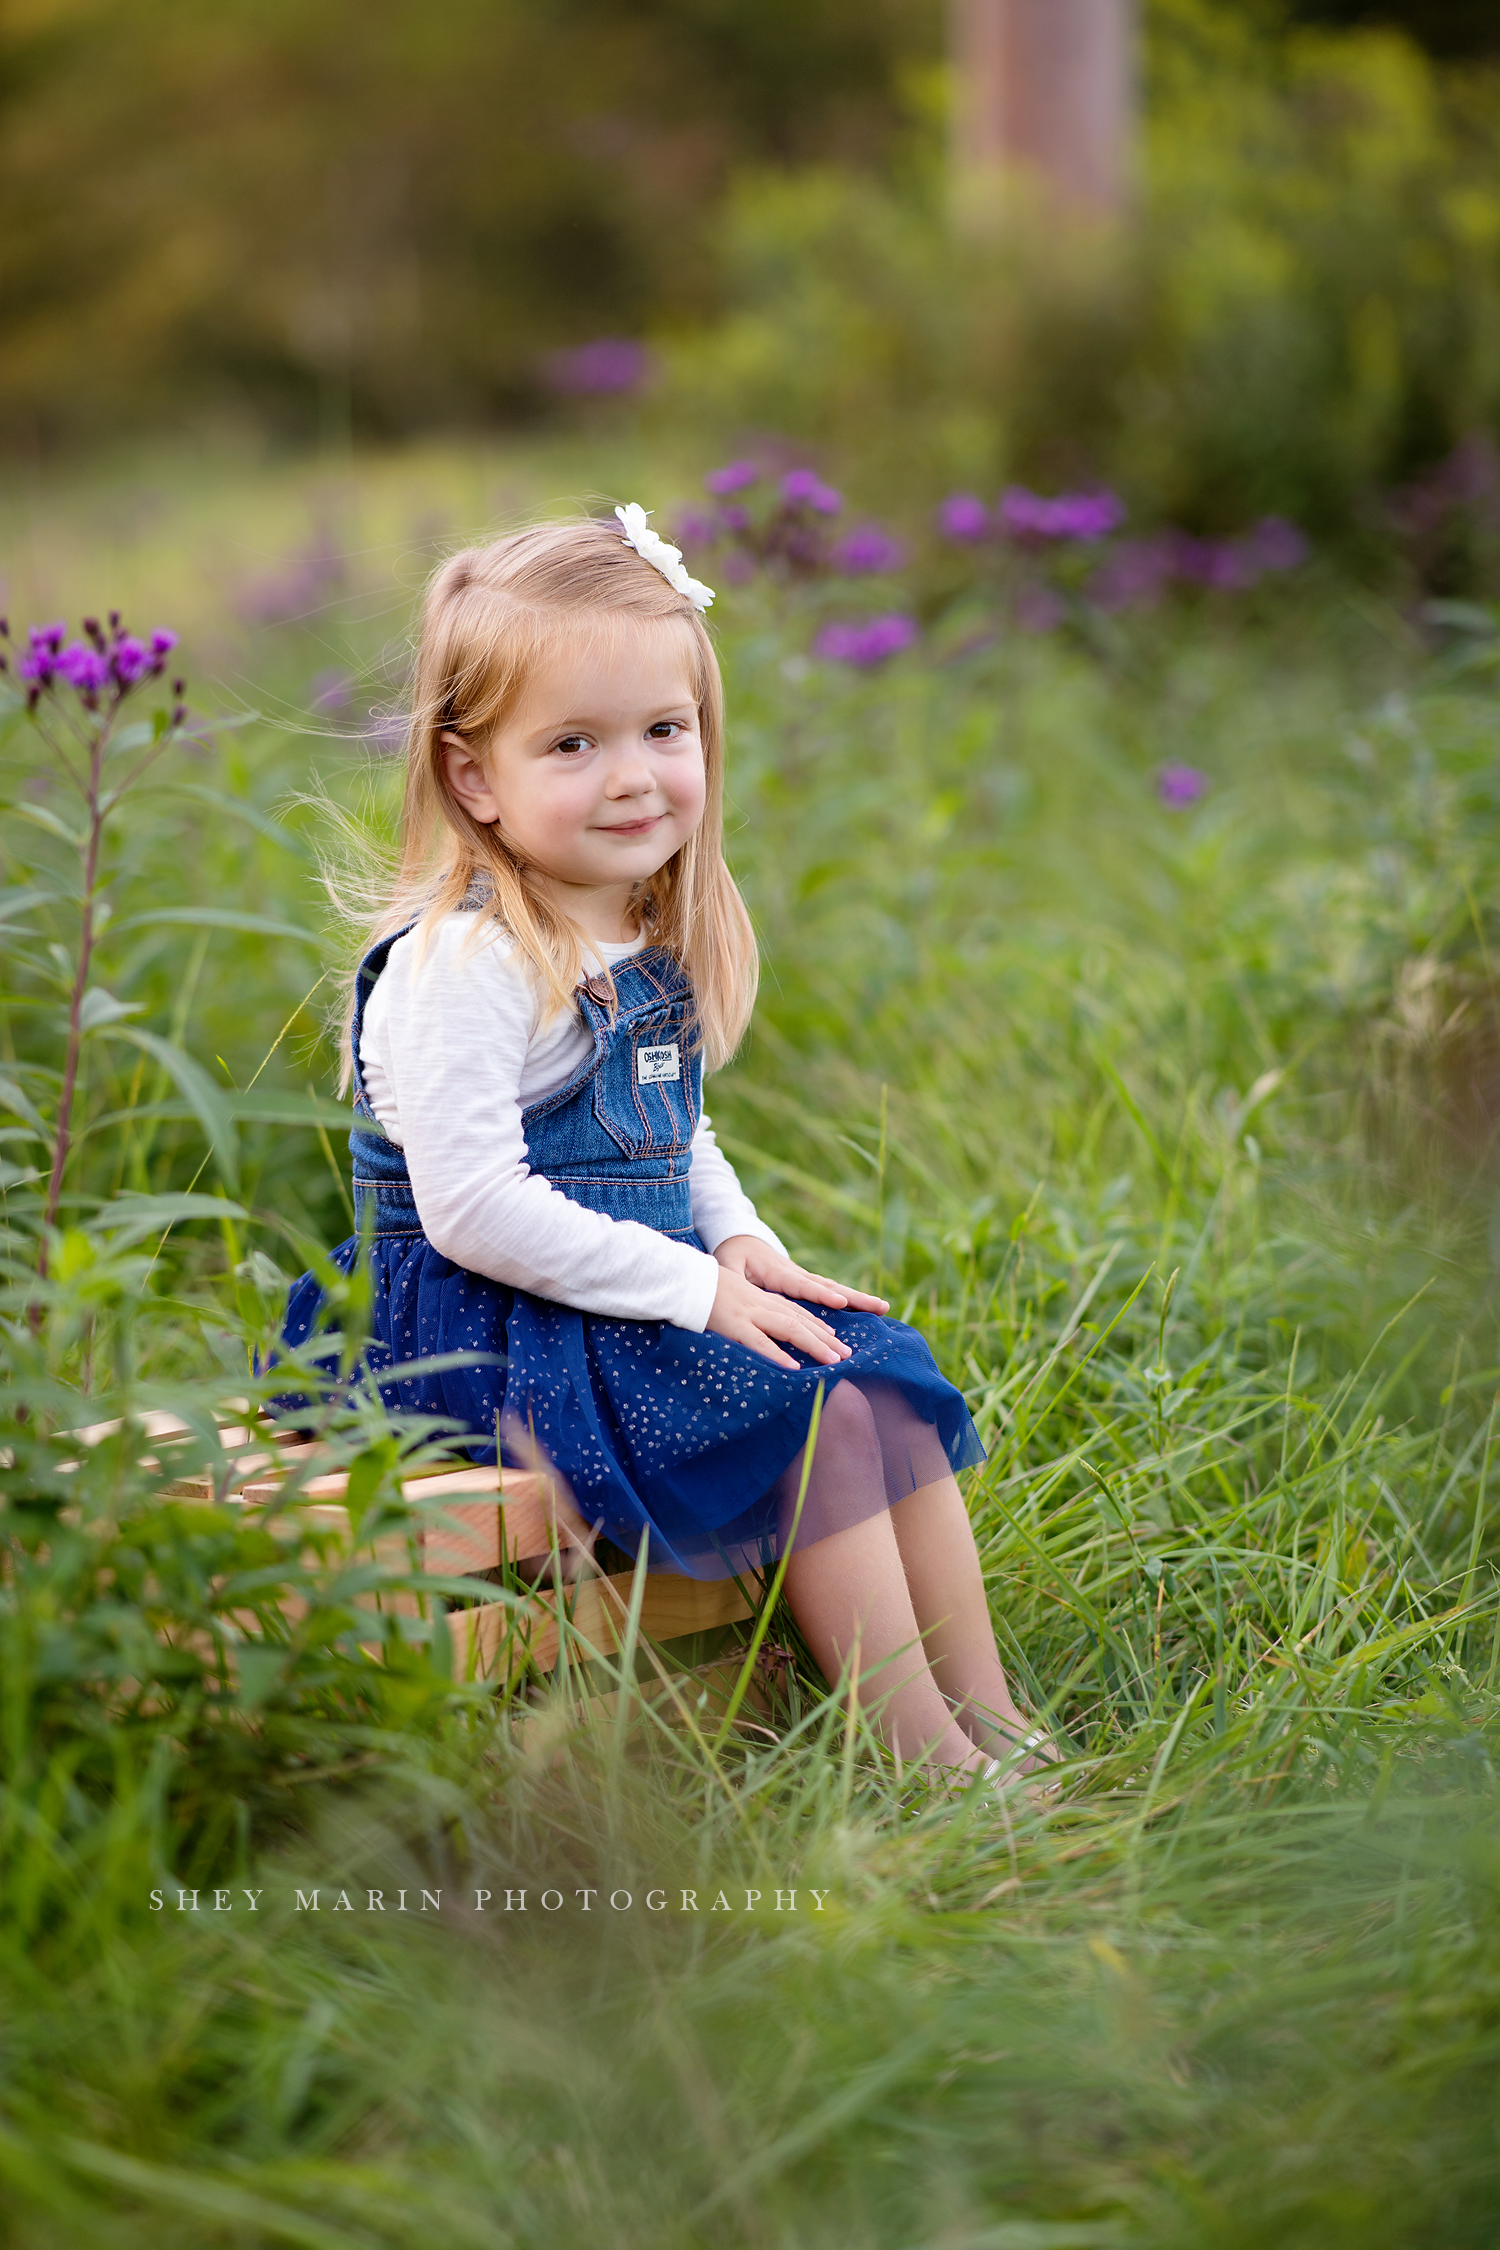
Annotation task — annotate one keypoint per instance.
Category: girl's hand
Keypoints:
(770, 1269)
(753, 1304)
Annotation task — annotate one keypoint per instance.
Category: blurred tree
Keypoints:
(1444, 27)
(1046, 86)
(383, 214)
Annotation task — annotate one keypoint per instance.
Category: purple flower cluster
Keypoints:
(1083, 516)
(736, 476)
(868, 644)
(1179, 786)
(1055, 555)
(1139, 571)
(803, 488)
(1032, 518)
(695, 527)
(104, 662)
(785, 531)
(1134, 572)
(964, 518)
(868, 548)
(609, 366)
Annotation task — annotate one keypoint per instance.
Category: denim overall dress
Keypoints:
(648, 1424)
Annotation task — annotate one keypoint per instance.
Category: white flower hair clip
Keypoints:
(652, 548)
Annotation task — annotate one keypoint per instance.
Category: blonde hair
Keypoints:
(491, 615)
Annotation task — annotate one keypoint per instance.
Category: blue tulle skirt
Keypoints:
(695, 1436)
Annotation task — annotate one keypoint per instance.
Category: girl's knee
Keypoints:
(847, 1425)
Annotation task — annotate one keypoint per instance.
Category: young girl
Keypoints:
(565, 955)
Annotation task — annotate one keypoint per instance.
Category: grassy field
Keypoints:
(1171, 1130)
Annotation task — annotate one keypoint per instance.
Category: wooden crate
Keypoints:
(471, 1521)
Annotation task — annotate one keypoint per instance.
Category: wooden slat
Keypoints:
(464, 1533)
(528, 1513)
(471, 1519)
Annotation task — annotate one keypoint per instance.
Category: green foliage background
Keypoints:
(291, 216)
(1028, 1045)
(1174, 1131)
(1305, 314)
(318, 222)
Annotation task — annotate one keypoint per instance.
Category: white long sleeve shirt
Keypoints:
(452, 1051)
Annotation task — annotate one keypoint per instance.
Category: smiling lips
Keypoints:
(633, 827)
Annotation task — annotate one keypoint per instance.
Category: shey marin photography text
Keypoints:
(357, 1899)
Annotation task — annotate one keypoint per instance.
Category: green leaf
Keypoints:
(42, 816)
(101, 1007)
(19, 1103)
(130, 1218)
(368, 1475)
(134, 737)
(273, 1108)
(261, 1667)
(202, 1096)
(20, 900)
(218, 918)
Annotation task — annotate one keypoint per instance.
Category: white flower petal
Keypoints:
(652, 548)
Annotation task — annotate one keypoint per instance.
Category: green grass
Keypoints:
(1170, 1130)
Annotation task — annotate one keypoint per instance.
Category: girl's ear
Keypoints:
(468, 780)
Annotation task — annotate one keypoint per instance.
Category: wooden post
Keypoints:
(1046, 88)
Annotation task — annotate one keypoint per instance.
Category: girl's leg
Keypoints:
(849, 1590)
(941, 1565)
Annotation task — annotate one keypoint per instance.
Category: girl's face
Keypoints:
(596, 776)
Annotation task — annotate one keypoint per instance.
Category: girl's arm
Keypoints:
(446, 1047)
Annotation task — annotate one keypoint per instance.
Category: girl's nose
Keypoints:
(628, 776)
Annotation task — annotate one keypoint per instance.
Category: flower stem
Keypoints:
(63, 1136)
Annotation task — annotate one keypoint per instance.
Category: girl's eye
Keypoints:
(664, 730)
(572, 744)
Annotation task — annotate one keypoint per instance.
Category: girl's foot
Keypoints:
(1029, 1756)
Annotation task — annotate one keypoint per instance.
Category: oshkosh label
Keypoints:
(653, 1064)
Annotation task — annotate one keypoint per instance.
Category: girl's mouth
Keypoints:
(633, 827)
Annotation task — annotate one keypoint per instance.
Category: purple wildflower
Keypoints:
(695, 527)
(868, 548)
(610, 364)
(736, 477)
(869, 644)
(1219, 563)
(804, 488)
(128, 659)
(1179, 786)
(1275, 545)
(37, 664)
(963, 517)
(734, 518)
(1071, 515)
(163, 641)
(48, 638)
(83, 668)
